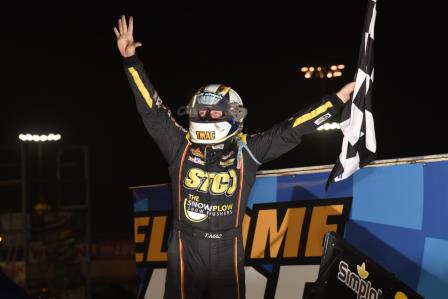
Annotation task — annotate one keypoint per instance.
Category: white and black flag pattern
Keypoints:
(359, 143)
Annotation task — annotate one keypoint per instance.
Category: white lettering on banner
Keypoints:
(358, 281)
(156, 285)
(292, 279)
(255, 283)
(290, 284)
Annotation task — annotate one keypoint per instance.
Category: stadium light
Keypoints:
(321, 72)
(329, 126)
(40, 138)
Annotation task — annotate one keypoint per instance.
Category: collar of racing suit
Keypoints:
(214, 151)
(238, 141)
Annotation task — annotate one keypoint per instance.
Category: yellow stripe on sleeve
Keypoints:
(141, 87)
(310, 115)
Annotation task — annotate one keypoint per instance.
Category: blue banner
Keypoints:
(395, 214)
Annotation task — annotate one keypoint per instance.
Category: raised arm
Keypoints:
(284, 136)
(157, 118)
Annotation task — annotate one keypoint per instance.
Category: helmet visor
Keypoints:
(209, 99)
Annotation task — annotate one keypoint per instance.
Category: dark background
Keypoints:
(62, 73)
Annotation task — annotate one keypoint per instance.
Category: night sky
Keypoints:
(64, 75)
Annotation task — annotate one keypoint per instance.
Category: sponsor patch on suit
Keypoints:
(196, 160)
(197, 152)
(225, 157)
(227, 163)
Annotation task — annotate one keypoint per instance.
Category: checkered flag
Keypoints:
(359, 143)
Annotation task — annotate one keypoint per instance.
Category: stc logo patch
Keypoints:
(216, 183)
(205, 135)
(357, 282)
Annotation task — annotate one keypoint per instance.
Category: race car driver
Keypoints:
(212, 168)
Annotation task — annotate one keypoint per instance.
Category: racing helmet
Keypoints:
(205, 128)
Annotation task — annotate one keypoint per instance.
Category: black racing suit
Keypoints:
(210, 190)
